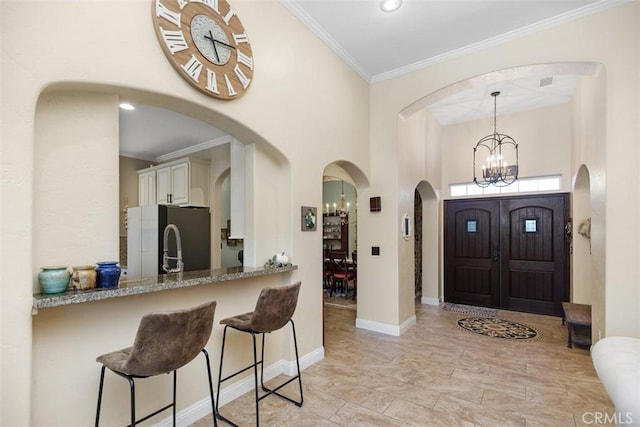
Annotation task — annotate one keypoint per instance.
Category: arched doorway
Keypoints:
(427, 245)
(581, 277)
(339, 226)
(438, 141)
(341, 183)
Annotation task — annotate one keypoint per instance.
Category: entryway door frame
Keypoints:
(508, 252)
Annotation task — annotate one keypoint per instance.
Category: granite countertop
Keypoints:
(162, 282)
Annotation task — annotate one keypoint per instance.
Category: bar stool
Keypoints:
(273, 311)
(165, 342)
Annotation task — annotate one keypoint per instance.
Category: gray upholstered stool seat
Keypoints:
(165, 342)
(274, 309)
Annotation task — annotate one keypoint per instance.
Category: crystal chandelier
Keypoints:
(343, 210)
(500, 149)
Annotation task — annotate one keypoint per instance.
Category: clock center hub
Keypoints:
(211, 40)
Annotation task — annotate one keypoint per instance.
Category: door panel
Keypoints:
(535, 260)
(470, 270)
(507, 253)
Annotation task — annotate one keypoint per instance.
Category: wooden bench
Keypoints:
(578, 319)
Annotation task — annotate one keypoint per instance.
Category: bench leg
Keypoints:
(569, 327)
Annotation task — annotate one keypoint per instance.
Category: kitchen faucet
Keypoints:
(165, 252)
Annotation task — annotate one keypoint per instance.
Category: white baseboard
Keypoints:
(202, 408)
(385, 328)
(430, 301)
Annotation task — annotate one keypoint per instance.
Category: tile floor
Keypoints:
(438, 375)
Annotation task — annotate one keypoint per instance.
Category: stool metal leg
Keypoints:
(213, 405)
(255, 374)
(100, 396)
(132, 389)
(295, 346)
(175, 380)
(217, 413)
(255, 364)
(298, 377)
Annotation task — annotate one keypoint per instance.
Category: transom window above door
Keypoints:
(522, 185)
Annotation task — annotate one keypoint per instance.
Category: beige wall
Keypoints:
(128, 194)
(591, 150)
(283, 114)
(75, 187)
(544, 142)
(611, 38)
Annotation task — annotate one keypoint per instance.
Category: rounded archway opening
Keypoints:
(581, 263)
(77, 175)
(427, 269)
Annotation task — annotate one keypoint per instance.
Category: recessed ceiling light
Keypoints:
(390, 5)
(127, 106)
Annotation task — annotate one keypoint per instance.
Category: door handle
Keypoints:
(496, 253)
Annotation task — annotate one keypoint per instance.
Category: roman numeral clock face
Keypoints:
(206, 43)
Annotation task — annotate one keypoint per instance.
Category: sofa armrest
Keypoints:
(617, 362)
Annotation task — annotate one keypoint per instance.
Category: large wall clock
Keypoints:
(206, 43)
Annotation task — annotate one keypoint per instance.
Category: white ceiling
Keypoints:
(380, 45)
(151, 132)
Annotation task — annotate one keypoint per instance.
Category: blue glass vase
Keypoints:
(108, 274)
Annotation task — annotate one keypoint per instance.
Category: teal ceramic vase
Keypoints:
(108, 274)
(54, 279)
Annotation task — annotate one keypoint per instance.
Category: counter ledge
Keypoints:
(158, 283)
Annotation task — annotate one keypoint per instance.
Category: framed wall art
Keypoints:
(309, 218)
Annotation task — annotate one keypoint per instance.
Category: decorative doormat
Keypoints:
(494, 327)
(470, 309)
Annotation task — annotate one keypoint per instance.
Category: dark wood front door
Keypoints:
(507, 253)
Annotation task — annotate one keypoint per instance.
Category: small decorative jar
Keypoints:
(108, 274)
(54, 279)
(83, 277)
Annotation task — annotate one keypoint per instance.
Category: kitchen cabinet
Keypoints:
(173, 184)
(146, 187)
(183, 182)
(335, 232)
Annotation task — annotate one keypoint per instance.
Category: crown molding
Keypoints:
(137, 156)
(503, 38)
(589, 9)
(194, 149)
(303, 16)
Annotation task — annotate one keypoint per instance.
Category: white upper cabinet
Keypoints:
(146, 187)
(183, 182)
(163, 185)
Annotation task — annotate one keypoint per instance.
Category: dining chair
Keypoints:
(354, 269)
(340, 272)
(326, 270)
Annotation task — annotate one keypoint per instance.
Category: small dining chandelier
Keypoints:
(501, 167)
(343, 210)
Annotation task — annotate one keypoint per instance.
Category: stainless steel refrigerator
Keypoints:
(145, 232)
